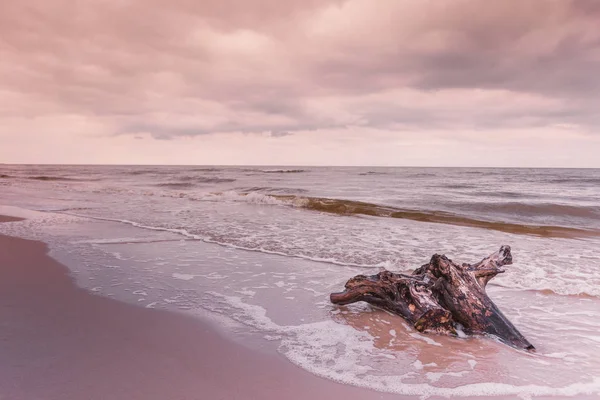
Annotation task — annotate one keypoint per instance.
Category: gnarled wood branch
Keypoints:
(439, 295)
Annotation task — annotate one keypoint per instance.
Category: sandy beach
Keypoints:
(121, 312)
(58, 341)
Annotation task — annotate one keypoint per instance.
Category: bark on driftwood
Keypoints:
(439, 295)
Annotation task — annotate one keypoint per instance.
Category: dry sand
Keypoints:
(58, 341)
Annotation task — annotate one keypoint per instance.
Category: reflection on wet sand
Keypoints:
(431, 357)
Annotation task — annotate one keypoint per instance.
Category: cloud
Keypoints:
(280, 134)
(185, 68)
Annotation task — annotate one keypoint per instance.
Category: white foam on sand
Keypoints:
(336, 351)
(183, 277)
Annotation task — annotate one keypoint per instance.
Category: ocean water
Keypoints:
(261, 248)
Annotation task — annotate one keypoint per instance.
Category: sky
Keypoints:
(301, 82)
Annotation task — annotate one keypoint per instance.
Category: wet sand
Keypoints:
(58, 341)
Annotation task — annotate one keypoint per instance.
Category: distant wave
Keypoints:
(158, 171)
(50, 178)
(207, 169)
(143, 172)
(353, 208)
(207, 179)
(501, 194)
(575, 180)
(458, 186)
(176, 185)
(283, 171)
(5, 176)
(187, 182)
(373, 173)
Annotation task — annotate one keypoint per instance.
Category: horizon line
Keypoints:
(289, 166)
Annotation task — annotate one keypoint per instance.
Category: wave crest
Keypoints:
(344, 207)
(207, 179)
(51, 178)
(283, 171)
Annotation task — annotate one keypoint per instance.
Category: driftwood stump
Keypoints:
(440, 295)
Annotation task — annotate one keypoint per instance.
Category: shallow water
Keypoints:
(163, 254)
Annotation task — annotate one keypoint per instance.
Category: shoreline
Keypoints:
(59, 341)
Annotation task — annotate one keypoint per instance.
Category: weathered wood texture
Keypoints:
(440, 295)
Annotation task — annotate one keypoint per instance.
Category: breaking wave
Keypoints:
(356, 208)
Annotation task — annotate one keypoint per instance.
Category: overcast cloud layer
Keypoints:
(346, 82)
